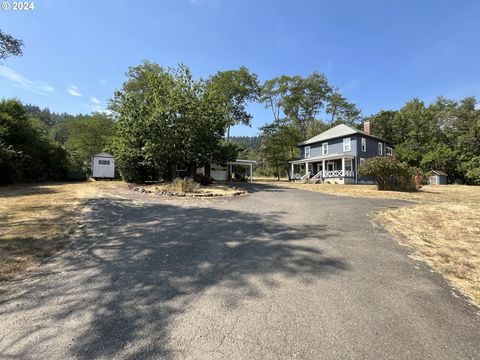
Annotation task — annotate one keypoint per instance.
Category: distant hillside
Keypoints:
(249, 142)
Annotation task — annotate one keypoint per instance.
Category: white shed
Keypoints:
(103, 166)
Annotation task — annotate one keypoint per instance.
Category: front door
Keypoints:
(319, 167)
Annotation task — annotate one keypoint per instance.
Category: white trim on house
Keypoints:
(347, 144)
(320, 158)
(380, 149)
(325, 148)
(306, 152)
(364, 144)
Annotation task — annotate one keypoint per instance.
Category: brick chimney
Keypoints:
(367, 127)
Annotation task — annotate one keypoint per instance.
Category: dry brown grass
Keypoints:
(443, 227)
(35, 221)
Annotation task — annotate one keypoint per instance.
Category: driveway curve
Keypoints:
(275, 274)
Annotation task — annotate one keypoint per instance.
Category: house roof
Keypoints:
(436, 172)
(336, 132)
(241, 162)
(103, 154)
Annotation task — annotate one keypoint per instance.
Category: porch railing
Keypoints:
(317, 177)
(305, 177)
(338, 173)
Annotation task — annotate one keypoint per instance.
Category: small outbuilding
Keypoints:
(437, 178)
(103, 166)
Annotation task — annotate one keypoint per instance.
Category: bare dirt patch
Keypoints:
(215, 189)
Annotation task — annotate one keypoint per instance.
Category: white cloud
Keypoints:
(102, 81)
(73, 90)
(97, 108)
(95, 100)
(20, 81)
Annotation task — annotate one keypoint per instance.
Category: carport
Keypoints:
(242, 162)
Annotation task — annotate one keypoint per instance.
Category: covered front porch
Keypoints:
(335, 168)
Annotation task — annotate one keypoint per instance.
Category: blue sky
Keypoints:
(379, 53)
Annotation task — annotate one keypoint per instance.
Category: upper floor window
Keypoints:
(380, 148)
(364, 144)
(307, 152)
(388, 151)
(325, 148)
(347, 144)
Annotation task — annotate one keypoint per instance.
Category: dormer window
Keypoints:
(307, 152)
(347, 144)
(325, 148)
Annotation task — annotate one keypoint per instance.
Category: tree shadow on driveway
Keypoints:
(139, 266)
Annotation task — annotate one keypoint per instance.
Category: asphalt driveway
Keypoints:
(275, 274)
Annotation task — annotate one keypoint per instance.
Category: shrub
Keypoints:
(389, 173)
(473, 176)
(202, 179)
(186, 185)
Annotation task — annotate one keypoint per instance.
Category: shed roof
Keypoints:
(103, 154)
(335, 132)
(437, 172)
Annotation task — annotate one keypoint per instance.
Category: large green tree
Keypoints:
(88, 135)
(341, 110)
(165, 117)
(236, 88)
(443, 135)
(27, 153)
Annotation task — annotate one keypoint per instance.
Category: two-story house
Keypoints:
(334, 155)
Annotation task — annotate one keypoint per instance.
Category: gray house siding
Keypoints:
(335, 146)
(371, 151)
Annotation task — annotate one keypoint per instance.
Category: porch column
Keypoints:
(323, 168)
(343, 166)
(306, 168)
(292, 172)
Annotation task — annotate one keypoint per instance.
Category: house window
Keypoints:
(325, 148)
(347, 144)
(388, 151)
(181, 167)
(364, 144)
(103, 162)
(380, 148)
(331, 166)
(307, 151)
(348, 164)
